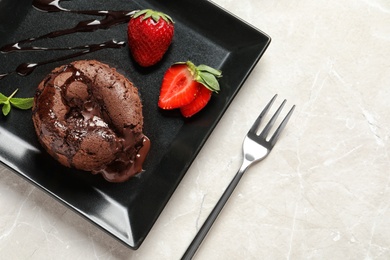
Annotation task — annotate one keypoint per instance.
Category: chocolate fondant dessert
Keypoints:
(89, 116)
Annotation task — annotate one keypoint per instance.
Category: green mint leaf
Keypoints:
(8, 102)
(3, 98)
(22, 103)
(6, 108)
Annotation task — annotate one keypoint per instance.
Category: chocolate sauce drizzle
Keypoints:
(110, 19)
(27, 68)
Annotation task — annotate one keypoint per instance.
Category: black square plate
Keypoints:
(204, 34)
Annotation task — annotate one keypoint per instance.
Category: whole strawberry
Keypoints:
(150, 34)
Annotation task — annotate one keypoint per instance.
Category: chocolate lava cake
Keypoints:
(89, 117)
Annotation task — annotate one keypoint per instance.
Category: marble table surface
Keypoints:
(323, 193)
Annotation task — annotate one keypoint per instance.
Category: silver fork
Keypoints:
(255, 148)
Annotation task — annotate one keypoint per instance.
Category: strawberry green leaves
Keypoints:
(11, 101)
(205, 75)
(153, 14)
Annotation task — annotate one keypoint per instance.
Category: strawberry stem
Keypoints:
(155, 15)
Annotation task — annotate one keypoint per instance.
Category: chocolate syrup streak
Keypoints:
(110, 19)
(25, 69)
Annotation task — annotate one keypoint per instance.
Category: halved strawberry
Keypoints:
(178, 87)
(200, 101)
(188, 87)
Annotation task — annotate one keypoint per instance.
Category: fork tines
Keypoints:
(263, 135)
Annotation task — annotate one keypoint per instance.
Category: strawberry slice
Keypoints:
(178, 87)
(200, 101)
(188, 87)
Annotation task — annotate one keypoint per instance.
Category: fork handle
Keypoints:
(197, 241)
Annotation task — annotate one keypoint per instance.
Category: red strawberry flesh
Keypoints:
(178, 87)
(200, 101)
